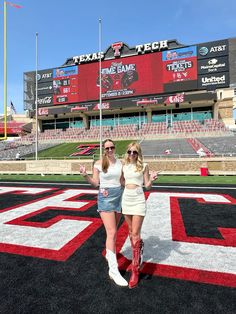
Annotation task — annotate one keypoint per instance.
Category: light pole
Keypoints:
(100, 84)
(36, 99)
(5, 70)
(5, 63)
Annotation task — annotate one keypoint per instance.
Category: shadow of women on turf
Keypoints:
(156, 251)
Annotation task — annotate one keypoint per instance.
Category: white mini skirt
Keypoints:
(133, 202)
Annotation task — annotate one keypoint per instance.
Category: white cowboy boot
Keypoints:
(113, 269)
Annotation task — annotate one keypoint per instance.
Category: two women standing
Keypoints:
(110, 176)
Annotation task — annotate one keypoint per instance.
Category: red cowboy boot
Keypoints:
(136, 249)
(141, 254)
(129, 268)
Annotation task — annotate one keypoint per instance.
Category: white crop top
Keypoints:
(110, 179)
(132, 176)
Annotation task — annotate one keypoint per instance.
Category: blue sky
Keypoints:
(70, 27)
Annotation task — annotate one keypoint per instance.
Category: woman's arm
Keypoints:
(148, 178)
(94, 180)
(122, 179)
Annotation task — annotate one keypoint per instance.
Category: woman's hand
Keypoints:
(82, 171)
(153, 175)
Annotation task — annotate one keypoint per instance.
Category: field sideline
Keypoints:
(162, 179)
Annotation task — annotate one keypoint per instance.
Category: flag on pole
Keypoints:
(17, 6)
(13, 107)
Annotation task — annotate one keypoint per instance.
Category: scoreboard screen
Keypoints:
(65, 85)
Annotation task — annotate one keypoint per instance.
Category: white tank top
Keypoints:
(110, 179)
(132, 176)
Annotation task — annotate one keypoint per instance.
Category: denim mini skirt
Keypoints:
(109, 199)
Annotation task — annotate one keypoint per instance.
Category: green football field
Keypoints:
(162, 179)
(63, 151)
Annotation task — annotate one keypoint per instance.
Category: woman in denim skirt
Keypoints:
(107, 175)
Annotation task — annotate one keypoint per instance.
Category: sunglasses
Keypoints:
(133, 152)
(109, 148)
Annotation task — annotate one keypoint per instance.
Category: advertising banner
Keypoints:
(45, 88)
(179, 98)
(43, 111)
(179, 69)
(213, 81)
(213, 65)
(213, 49)
(45, 100)
(45, 76)
(118, 103)
(65, 85)
(153, 101)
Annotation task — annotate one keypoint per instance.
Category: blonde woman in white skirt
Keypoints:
(136, 174)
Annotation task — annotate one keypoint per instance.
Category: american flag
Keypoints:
(13, 107)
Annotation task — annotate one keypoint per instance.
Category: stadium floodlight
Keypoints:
(100, 84)
(36, 98)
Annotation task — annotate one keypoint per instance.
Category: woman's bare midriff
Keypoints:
(132, 186)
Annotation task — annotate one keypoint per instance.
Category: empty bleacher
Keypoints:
(220, 145)
(153, 130)
(9, 153)
(181, 148)
(158, 148)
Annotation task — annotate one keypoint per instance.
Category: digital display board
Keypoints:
(129, 77)
(65, 85)
(124, 77)
(180, 66)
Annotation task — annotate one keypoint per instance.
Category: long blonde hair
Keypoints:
(105, 160)
(139, 160)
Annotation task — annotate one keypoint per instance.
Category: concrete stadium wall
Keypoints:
(191, 166)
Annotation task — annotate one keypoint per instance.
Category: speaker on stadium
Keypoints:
(55, 116)
(177, 105)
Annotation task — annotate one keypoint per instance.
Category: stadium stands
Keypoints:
(220, 145)
(175, 147)
(10, 153)
(200, 148)
(155, 130)
(198, 133)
